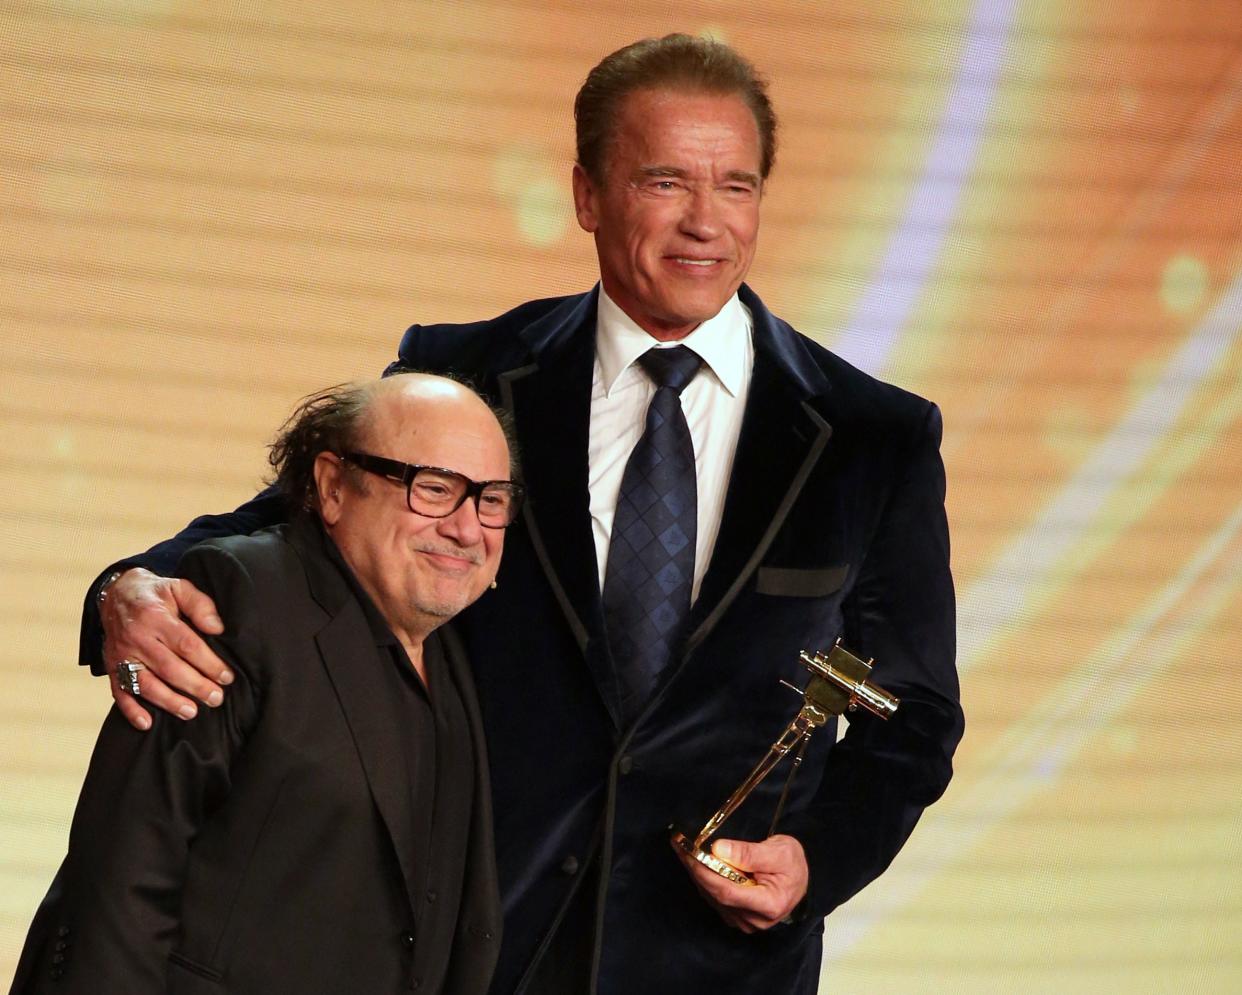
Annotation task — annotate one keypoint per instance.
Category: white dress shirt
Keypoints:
(713, 403)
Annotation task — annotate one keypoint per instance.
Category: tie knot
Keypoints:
(674, 367)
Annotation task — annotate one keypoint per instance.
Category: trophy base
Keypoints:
(711, 861)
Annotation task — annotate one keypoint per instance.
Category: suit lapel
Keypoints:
(550, 401)
(343, 643)
(350, 657)
(781, 440)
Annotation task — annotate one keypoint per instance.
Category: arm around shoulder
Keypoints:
(264, 509)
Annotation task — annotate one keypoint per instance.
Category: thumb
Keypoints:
(197, 607)
(742, 855)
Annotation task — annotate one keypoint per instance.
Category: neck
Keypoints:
(661, 331)
(410, 627)
(666, 334)
(410, 633)
(414, 650)
(411, 630)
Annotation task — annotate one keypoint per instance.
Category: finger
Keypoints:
(721, 893)
(732, 918)
(187, 644)
(134, 713)
(197, 607)
(163, 632)
(742, 855)
(163, 647)
(154, 692)
(736, 922)
(706, 880)
(717, 887)
(143, 610)
(750, 922)
(768, 908)
(738, 914)
(177, 677)
(778, 860)
(762, 905)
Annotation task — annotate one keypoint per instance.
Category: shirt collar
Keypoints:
(380, 629)
(722, 342)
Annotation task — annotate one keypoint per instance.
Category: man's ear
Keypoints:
(329, 483)
(585, 200)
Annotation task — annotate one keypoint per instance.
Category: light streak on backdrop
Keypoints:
(891, 292)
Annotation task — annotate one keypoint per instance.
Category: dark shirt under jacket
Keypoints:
(439, 765)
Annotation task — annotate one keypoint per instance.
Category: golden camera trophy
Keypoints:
(839, 683)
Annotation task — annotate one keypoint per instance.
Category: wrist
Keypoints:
(102, 594)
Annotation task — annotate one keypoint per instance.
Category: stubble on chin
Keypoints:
(445, 606)
(442, 606)
(438, 609)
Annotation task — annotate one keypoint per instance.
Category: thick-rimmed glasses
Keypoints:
(434, 492)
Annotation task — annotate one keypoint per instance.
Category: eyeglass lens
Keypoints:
(437, 493)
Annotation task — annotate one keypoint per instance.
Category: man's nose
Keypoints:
(702, 217)
(463, 524)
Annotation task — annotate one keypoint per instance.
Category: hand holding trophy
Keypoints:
(839, 683)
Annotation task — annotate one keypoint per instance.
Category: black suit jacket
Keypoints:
(264, 847)
(833, 525)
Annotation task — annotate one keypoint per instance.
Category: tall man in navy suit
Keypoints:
(818, 512)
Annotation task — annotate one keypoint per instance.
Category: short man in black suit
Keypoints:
(328, 828)
(819, 513)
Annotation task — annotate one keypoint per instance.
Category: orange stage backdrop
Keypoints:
(1028, 211)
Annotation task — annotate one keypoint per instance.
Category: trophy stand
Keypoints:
(839, 683)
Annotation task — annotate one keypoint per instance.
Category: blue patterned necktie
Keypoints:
(650, 568)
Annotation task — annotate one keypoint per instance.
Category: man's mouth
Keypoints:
(458, 559)
(686, 261)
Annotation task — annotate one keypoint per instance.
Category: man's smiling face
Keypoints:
(419, 570)
(676, 214)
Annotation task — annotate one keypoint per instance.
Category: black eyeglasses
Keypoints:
(436, 492)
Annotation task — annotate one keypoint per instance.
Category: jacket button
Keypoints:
(625, 764)
(569, 865)
(431, 896)
(407, 940)
(63, 931)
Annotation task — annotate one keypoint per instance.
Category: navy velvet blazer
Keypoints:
(833, 525)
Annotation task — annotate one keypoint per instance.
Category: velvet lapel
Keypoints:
(350, 657)
(550, 401)
(781, 440)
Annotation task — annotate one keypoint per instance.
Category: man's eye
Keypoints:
(432, 491)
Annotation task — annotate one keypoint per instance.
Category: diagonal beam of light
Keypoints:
(1053, 731)
(894, 289)
(1035, 748)
(1010, 585)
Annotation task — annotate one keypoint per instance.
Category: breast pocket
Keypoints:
(801, 582)
(187, 977)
